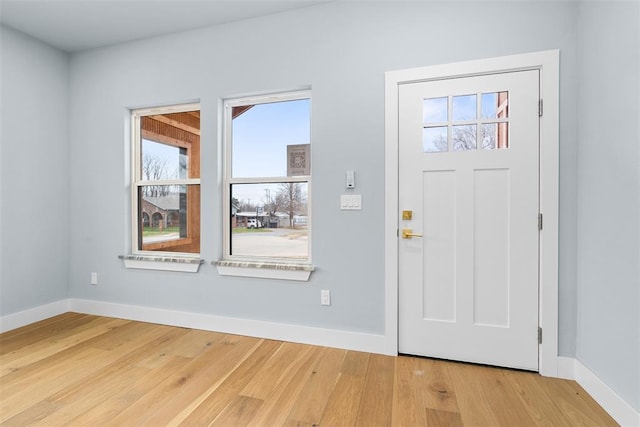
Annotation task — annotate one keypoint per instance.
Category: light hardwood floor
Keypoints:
(82, 370)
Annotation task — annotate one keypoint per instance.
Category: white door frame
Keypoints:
(548, 64)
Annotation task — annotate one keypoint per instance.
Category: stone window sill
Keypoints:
(265, 270)
(163, 263)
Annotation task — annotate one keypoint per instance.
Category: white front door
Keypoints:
(469, 175)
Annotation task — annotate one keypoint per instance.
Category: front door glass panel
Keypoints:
(466, 122)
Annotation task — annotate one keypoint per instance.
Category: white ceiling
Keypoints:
(75, 25)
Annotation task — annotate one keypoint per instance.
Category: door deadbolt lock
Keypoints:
(408, 233)
(407, 215)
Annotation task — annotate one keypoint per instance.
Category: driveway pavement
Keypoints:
(277, 242)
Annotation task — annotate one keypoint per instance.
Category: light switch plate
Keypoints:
(351, 202)
(325, 297)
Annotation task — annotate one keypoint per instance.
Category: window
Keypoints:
(466, 122)
(268, 178)
(166, 180)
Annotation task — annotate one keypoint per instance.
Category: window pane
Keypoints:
(495, 105)
(488, 136)
(170, 147)
(464, 107)
(261, 134)
(495, 135)
(162, 161)
(269, 220)
(434, 140)
(434, 110)
(169, 218)
(464, 137)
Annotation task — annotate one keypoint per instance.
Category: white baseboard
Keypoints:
(621, 411)
(33, 315)
(568, 367)
(254, 328)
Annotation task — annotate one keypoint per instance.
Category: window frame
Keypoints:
(137, 181)
(229, 180)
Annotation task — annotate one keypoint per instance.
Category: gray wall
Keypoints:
(608, 339)
(342, 50)
(34, 196)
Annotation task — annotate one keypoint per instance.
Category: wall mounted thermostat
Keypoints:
(350, 180)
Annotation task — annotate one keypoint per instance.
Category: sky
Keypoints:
(260, 139)
(262, 133)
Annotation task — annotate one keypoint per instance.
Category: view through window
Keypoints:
(167, 179)
(268, 177)
(466, 122)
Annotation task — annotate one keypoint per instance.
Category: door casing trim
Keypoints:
(548, 64)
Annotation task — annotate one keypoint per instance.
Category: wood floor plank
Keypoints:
(279, 403)
(132, 390)
(295, 423)
(355, 363)
(439, 391)
(190, 344)
(127, 362)
(569, 400)
(319, 386)
(76, 401)
(30, 332)
(600, 414)
(119, 376)
(207, 385)
(505, 404)
(27, 335)
(212, 402)
(127, 335)
(443, 418)
(273, 370)
(33, 414)
(377, 399)
(408, 405)
(51, 380)
(344, 402)
(28, 354)
(474, 404)
(536, 400)
(60, 362)
(238, 413)
(82, 370)
(190, 381)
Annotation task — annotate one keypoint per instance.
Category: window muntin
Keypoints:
(268, 177)
(166, 184)
(466, 122)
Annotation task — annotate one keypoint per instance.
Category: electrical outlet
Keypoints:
(325, 297)
(94, 278)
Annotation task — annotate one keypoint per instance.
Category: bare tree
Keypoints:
(154, 168)
(464, 137)
(488, 134)
(291, 199)
(440, 143)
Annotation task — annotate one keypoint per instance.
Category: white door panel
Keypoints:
(469, 286)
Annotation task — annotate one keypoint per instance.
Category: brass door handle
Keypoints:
(408, 233)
